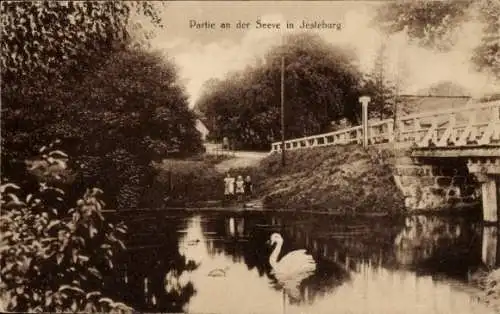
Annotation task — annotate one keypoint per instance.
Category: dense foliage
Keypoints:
(49, 39)
(321, 84)
(436, 24)
(75, 71)
(124, 115)
(53, 259)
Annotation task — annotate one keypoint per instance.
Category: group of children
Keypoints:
(238, 187)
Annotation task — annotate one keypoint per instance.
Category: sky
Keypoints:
(202, 54)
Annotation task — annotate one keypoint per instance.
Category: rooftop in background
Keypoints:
(421, 103)
(414, 103)
(202, 128)
(441, 95)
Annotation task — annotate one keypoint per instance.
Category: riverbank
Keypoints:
(199, 181)
(179, 182)
(492, 290)
(333, 179)
(347, 179)
(489, 284)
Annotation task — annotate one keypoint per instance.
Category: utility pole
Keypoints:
(396, 101)
(282, 39)
(399, 84)
(283, 111)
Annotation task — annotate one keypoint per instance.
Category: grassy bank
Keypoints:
(193, 182)
(339, 179)
(346, 179)
(179, 182)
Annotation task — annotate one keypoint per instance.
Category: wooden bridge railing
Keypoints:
(477, 124)
(471, 125)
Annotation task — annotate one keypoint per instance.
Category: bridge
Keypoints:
(448, 153)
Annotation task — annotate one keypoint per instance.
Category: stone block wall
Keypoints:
(435, 184)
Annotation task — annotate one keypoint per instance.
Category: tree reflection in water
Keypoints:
(152, 272)
(361, 261)
(434, 244)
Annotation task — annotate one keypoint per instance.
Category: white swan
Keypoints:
(292, 268)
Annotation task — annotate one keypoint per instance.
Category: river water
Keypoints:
(217, 262)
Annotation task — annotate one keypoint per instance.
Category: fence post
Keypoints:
(364, 100)
(390, 131)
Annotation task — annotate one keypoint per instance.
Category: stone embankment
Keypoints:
(435, 185)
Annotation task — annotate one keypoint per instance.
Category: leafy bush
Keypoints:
(53, 259)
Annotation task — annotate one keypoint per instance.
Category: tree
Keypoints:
(487, 54)
(381, 90)
(138, 114)
(431, 23)
(82, 80)
(436, 24)
(47, 45)
(121, 117)
(42, 39)
(321, 81)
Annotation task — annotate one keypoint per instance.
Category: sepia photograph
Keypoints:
(253, 157)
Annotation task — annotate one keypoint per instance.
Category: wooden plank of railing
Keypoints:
(339, 132)
(313, 137)
(469, 130)
(416, 133)
(430, 135)
(458, 131)
(447, 136)
(492, 132)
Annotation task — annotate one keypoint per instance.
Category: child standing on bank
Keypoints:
(240, 187)
(228, 187)
(248, 186)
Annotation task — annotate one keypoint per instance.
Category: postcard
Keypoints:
(250, 157)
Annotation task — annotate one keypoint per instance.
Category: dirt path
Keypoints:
(241, 159)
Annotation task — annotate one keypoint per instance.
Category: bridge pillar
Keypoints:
(490, 246)
(487, 172)
(489, 194)
(434, 184)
